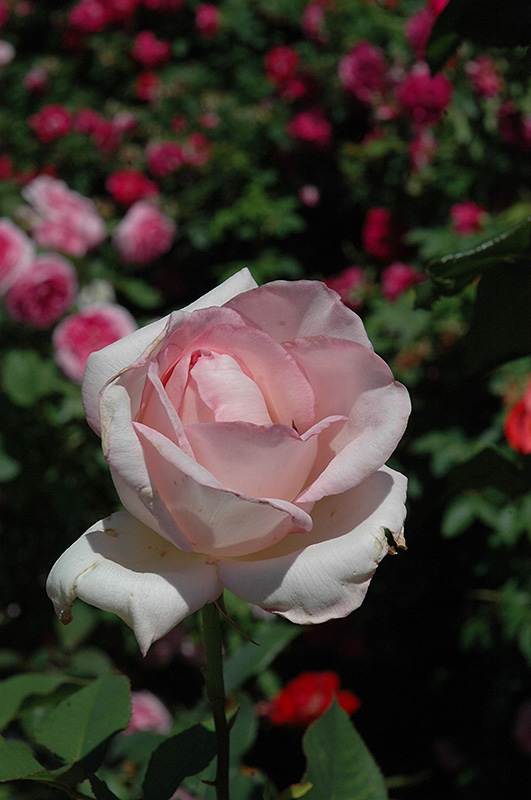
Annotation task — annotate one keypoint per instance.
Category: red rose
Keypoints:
(424, 99)
(362, 72)
(150, 51)
(311, 127)
(163, 158)
(382, 235)
(467, 217)
(51, 122)
(517, 426)
(418, 29)
(281, 64)
(129, 185)
(306, 698)
(147, 85)
(397, 278)
(89, 16)
(207, 19)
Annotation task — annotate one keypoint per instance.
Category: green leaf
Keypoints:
(86, 719)
(15, 690)
(100, 789)
(139, 292)
(295, 791)
(26, 377)
(339, 765)
(16, 760)
(500, 329)
(250, 659)
(454, 271)
(182, 755)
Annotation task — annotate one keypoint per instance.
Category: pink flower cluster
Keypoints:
(362, 72)
(144, 234)
(39, 289)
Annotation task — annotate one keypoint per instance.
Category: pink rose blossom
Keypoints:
(121, 10)
(313, 22)
(65, 220)
(150, 51)
(281, 64)
(148, 713)
(362, 72)
(144, 234)
(247, 436)
(87, 120)
(44, 291)
(7, 53)
(164, 158)
(51, 122)
(36, 80)
(418, 30)
(424, 98)
(207, 19)
(438, 5)
(127, 186)
(309, 195)
(106, 137)
(89, 16)
(422, 149)
(397, 278)
(383, 235)
(484, 76)
(90, 329)
(467, 217)
(124, 122)
(16, 252)
(349, 285)
(311, 127)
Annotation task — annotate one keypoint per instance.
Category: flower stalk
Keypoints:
(215, 687)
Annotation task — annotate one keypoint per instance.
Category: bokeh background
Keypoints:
(151, 148)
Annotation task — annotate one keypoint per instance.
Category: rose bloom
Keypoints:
(144, 234)
(424, 98)
(383, 235)
(121, 10)
(349, 285)
(164, 158)
(467, 217)
(422, 150)
(484, 76)
(313, 22)
(197, 150)
(247, 436)
(438, 5)
(281, 64)
(362, 72)
(90, 329)
(311, 127)
(16, 252)
(66, 220)
(309, 195)
(128, 185)
(207, 19)
(517, 426)
(89, 16)
(147, 86)
(148, 713)
(7, 53)
(51, 123)
(44, 291)
(306, 698)
(397, 278)
(36, 80)
(418, 30)
(150, 51)
(87, 120)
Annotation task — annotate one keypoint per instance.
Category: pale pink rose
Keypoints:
(148, 713)
(90, 329)
(144, 234)
(309, 195)
(7, 53)
(79, 225)
(247, 436)
(16, 252)
(44, 291)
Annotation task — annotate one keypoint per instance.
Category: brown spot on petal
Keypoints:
(66, 616)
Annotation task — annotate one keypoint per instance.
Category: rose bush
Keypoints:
(247, 436)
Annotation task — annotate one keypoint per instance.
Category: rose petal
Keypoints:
(104, 364)
(121, 566)
(272, 461)
(294, 309)
(158, 412)
(212, 516)
(329, 575)
(228, 391)
(362, 389)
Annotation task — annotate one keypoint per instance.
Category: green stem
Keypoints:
(216, 694)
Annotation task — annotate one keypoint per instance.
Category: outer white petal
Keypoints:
(329, 576)
(120, 565)
(104, 364)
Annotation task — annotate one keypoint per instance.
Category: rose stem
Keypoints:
(216, 694)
